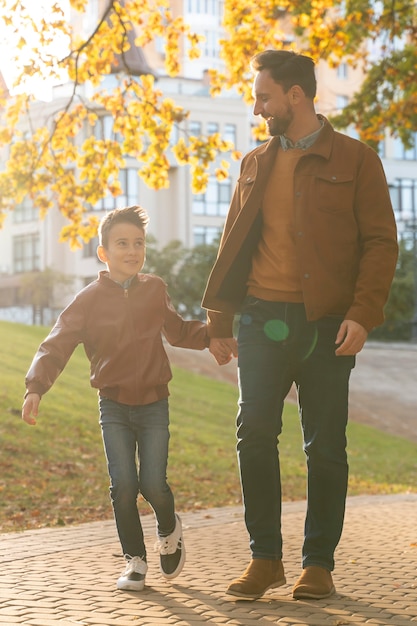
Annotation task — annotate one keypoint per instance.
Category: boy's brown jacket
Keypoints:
(345, 230)
(121, 330)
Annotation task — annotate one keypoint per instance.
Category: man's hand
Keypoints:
(30, 408)
(223, 349)
(350, 338)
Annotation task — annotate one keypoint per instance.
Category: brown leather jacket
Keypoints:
(121, 330)
(346, 238)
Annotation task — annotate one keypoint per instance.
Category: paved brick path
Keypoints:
(67, 576)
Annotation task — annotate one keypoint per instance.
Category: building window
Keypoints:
(401, 153)
(103, 129)
(212, 128)
(25, 212)
(91, 16)
(381, 149)
(129, 181)
(206, 235)
(342, 71)
(230, 133)
(160, 45)
(26, 253)
(215, 200)
(341, 102)
(90, 248)
(211, 46)
(207, 7)
(174, 136)
(194, 128)
(404, 201)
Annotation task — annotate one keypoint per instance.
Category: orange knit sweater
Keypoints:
(275, 275)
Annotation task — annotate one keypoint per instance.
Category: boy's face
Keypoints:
(125, 252)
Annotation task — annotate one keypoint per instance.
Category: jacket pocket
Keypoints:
(245, 186)
(335, 192)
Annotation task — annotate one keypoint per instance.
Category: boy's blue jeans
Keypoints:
(136, 445)
(277, 347)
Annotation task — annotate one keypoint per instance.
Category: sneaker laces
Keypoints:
(135, 564)
(171, 543)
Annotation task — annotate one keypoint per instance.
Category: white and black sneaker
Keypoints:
(133, 578)
(171, 552)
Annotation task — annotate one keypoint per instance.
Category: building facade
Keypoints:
(28, 244)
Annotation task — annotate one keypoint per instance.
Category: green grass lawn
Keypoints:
(55, 473)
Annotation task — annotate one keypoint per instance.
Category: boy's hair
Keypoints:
(288, 69)
(135, 215)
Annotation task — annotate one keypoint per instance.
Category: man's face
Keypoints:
(272, 103)
(125, 252)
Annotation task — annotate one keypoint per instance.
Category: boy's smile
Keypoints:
(125, 252)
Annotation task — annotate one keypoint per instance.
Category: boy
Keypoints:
(120, 319)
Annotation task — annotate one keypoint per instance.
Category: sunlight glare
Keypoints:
(21, 34)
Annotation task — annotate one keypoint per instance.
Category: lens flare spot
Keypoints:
(276, 330)
(312, 345)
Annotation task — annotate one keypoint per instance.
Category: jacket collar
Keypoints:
(103, 276)
(324, 142)
(322, 146)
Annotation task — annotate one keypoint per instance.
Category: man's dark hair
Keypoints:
(134, 215)
(288, 69)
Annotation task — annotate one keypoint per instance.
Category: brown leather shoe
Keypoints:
(314, 583)
(259, 576)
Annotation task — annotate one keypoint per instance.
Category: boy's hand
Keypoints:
(30, 408)
(223, 349)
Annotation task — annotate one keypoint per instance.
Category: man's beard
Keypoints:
(279, 125)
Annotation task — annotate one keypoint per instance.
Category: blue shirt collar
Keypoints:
(302, 144)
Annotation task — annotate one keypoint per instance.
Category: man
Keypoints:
(307, 257)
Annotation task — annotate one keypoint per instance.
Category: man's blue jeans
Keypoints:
(136, 445)
(277, 347)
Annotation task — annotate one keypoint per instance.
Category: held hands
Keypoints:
(30, 408)
(223, 349)
(350, 338)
